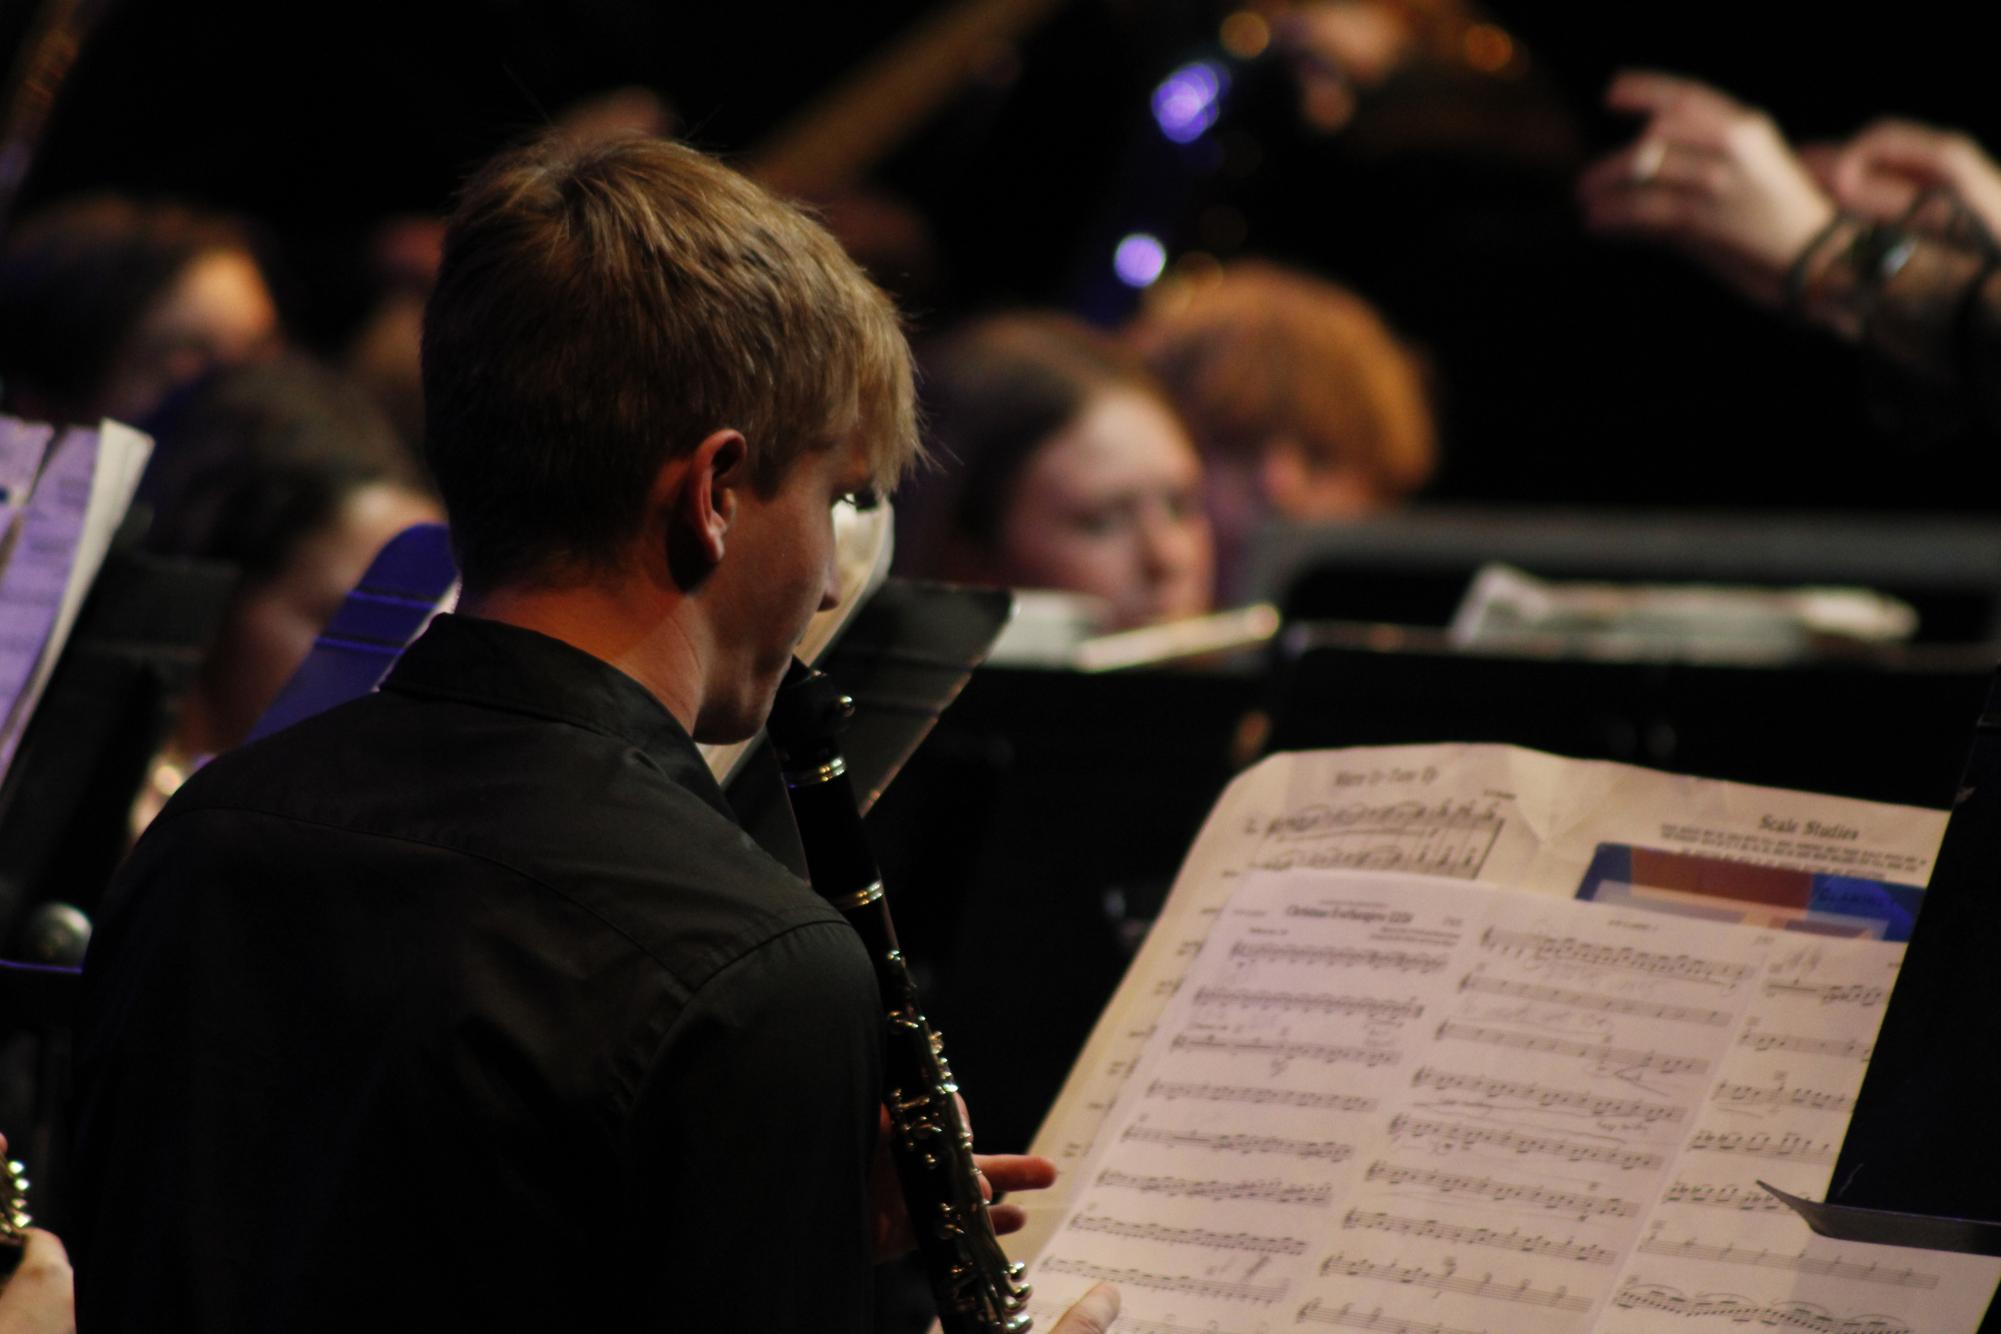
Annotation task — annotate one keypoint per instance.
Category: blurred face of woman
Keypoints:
(1111, 505)
(217, 313)
(270, 626)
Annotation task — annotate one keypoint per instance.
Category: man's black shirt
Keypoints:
(467, 1005)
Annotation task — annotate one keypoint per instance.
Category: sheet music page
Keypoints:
(1498, 814)
(1381, 1102)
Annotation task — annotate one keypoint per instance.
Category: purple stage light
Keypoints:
(1139, 259)
(1187, 102)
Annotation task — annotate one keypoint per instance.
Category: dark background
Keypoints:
(1567, 369)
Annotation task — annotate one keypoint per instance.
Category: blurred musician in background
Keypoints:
(1065, 467)
(1305, 405)
(108, 305)
(467, 1004)
(292, 475)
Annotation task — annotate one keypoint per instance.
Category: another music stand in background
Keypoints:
(1412, 566)
(66, 807)
(1882, 725)
(906, 655)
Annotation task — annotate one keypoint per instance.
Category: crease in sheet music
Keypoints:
(1547, 1115)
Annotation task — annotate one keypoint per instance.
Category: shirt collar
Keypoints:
(500, 666)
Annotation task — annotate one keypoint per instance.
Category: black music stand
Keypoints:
(66, 807)
(1881, 726)
(903, 659)
(1922, 1165)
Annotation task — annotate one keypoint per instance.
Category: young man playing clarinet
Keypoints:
(467, 1004)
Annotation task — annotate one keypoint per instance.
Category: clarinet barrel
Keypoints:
(977, 1289)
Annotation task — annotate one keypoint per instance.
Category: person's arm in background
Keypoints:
(1886, 244)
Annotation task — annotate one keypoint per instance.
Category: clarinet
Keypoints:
(977, 1289)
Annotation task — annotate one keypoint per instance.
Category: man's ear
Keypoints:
(699, 494)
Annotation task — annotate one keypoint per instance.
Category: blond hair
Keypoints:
(603, 306)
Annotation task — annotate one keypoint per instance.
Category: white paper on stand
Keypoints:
(1394, 1103)
(1498, 814)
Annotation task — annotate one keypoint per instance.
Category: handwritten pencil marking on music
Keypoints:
(1339, 956)
(1168, 1091)
(1583, 1204)
(1628, 1059)
(1745, 1310)
(1189, 1236)
(1590, 1000)
(1512, 1240)
(1184, 1283)
(1829, 993)
(1349, 1318)
(1447, 1279)
(1270, 1188)
(1791, 1146)
(1547, 1098)
(1546, 949)
(1449, 1135)
(1850, 1048)
(1798, 1264)
(1374, 1007)
(1279, 1051)
(1326, 1150)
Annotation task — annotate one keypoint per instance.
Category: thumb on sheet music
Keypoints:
(1093, 1313)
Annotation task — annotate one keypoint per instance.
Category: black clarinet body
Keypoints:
(977, 1289)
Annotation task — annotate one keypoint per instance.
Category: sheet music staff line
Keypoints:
(1591, 1000)
(1349, 1318)
(1846, 1047)
(1278, 1050)
(1169, 1090)
(1729, 1195)
(1307, 1002)
(1758, 1095)
(1829, 993)
(1547, 1097)
(1447, 1279)
(1227, 1289)
(1544, 949)
(1627, 1058)
(1325, 1150)
(1190, 1236)
(1339, 956)
(1523, 1143)
(1584, 1205)
(1743, 1310)
(1513, 1240)
(1798, 1264)
(1789, 1147)
(1268, 1188)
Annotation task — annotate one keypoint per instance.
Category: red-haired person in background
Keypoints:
(1306, 406)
